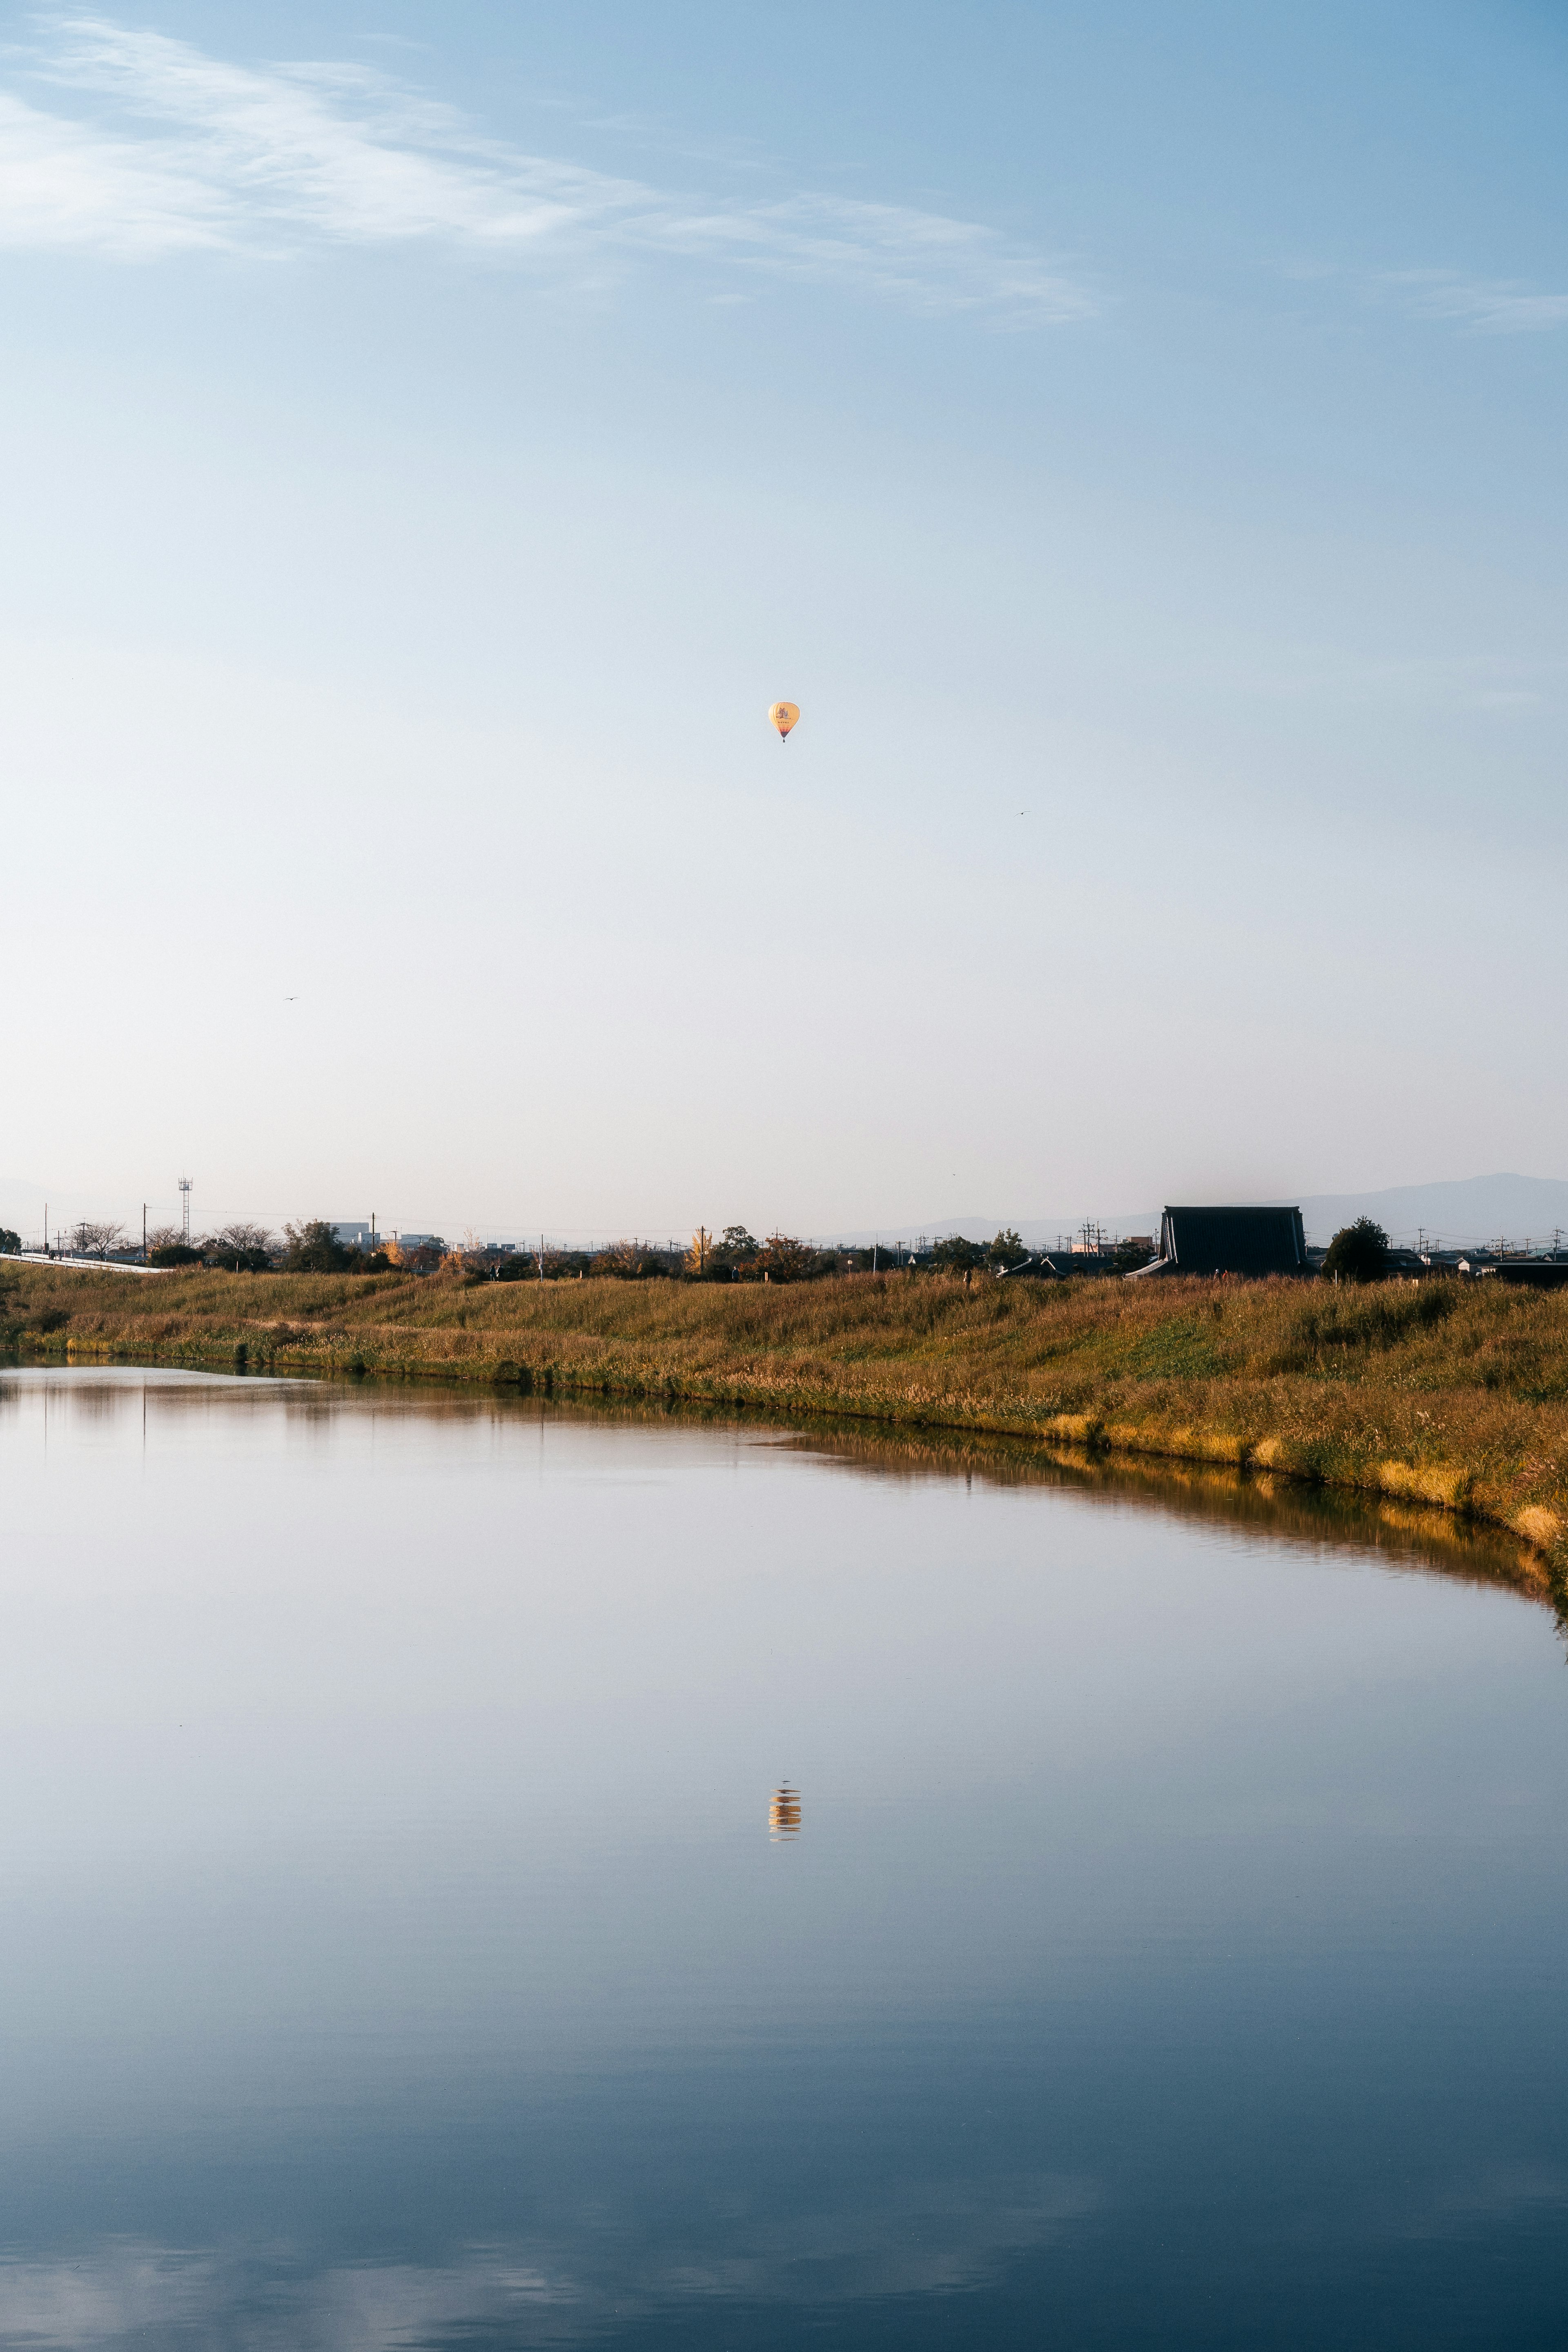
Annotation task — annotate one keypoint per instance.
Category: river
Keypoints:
(483, 1874)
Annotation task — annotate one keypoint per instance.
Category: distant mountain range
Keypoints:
(1474, 1209)
(1470, 1210)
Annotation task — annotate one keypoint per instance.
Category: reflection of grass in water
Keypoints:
(1283, 1509)
(1437, 1393)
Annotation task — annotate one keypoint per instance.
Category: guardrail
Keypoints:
(78, 1264)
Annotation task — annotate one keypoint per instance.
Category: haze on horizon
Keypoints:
(1133, 439)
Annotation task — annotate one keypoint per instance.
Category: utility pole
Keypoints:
(143, 1232)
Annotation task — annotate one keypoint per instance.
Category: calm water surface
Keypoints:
(472, 1875)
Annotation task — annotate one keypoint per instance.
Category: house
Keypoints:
(1230, 1240)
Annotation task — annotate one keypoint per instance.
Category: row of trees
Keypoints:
(312, 1247)
(735, 1254)
(1358, 1252)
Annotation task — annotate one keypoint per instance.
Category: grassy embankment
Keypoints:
(1443, 1393)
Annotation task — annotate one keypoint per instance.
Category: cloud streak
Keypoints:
(170, 151)
(1492, 307)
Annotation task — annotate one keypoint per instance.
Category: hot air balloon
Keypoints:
(783, 716)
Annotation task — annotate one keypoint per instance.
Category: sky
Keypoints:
(434, 436)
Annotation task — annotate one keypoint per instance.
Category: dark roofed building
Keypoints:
(1230, 1241)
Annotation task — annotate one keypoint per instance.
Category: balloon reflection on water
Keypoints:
(783, 1813)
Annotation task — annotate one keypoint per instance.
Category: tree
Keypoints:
(625, 1260)
(1007, 1249)
(314, 1248)
(735, 1253)
(954, 1255)
(10, 1243)
(241, 1249)
(699, 1256)
(784, 1259)
(1358, 1252)
(90, 1240)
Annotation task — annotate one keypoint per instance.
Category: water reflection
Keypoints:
(1404, 1535)
(1206, 1992)
(783, 1813)
(933, 2237)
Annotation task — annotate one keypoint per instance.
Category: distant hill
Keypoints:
(1470, 1209)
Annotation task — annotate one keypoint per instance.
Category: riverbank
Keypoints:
(1444, 1395)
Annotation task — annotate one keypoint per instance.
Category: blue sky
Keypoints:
(433, 438)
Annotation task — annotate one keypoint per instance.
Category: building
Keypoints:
(1539, 1272)
(1253, 1241)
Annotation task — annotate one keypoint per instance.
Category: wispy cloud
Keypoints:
(169, 151)
(1490, 306)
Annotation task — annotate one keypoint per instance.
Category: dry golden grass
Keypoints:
(1440, 1394)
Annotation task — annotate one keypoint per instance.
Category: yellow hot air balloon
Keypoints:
(783, 716)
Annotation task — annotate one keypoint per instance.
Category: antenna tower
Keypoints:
(185, 1209)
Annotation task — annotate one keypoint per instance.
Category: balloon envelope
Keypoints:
(783, 716)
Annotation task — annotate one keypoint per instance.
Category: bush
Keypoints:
(1358, 1252)
(173, 1254)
